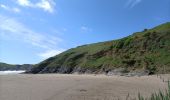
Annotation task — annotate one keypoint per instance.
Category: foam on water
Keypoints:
(11, 72)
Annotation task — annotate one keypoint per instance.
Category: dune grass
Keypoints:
(158, 96)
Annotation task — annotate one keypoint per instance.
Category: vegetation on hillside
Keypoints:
(147, 51)
(4, 66)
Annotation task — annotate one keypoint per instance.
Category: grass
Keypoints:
(158, 96)
(147, 50)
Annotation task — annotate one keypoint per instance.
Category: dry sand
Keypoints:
(76, 87)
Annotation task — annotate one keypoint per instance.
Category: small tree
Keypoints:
(145, 30)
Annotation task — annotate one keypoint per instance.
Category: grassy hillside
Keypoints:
(146, 51)
(4, 66)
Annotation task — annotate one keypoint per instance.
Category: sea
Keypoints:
(8, 72)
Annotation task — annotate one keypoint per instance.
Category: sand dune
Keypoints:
(76, 87)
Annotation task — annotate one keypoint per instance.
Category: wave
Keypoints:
(11, 72)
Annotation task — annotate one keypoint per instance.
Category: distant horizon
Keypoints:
(32, 31)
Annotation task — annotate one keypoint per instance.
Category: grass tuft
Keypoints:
(158, 96)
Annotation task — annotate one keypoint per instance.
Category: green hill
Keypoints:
(147, 51)
(4, 66)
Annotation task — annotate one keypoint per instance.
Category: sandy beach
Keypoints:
(76, 87)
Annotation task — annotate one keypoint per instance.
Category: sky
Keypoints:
(34, 30)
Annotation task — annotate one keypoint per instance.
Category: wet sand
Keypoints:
(77, 87)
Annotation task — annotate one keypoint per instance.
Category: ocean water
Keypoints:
(11, 72)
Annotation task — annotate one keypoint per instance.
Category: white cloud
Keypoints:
(24, 2)
(3, 6)
(13, 29)
(46, 5)
(16, 10)
(50, 53)
(85, 29)
(132, 3)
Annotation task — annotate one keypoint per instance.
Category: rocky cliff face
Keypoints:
(142, 52)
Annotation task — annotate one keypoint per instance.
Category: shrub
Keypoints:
(127, 41)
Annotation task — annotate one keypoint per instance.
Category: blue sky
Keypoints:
(33, 30)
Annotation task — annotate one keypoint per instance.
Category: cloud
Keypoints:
(16, 10)
(3, 6)
(13, 29)
(46, 5)
(85, 29)
(132, 3)
(24, 2)
(50, 53)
